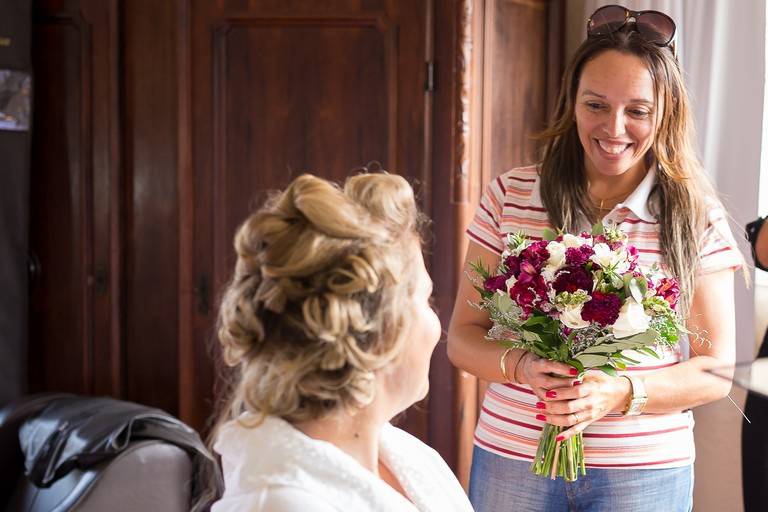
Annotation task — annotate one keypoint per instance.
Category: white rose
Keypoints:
(570, 240)
(556, 255)
(571, 317)
(632, 320)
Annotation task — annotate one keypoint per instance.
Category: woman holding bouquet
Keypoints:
(619, 150)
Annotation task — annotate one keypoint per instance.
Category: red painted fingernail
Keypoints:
(559, 438)
(541, 417)
(551, 394)
(573, 371)
(577, 383)
(541, 405)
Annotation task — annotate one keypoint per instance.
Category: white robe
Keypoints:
(275, 467)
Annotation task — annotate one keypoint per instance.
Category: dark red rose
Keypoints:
(571, 279)
(512, 263)
(494, 283)
(602, 309)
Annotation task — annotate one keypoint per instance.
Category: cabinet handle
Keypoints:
(202, 293)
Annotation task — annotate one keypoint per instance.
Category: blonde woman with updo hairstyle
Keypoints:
(620, 150)
(328, 328)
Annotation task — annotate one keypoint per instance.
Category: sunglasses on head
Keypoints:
(654, 26)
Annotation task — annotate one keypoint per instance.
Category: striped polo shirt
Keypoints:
(507, 425)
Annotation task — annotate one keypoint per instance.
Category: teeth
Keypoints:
(613, 149)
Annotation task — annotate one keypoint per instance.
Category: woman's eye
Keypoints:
(639, 113)
(594, 106)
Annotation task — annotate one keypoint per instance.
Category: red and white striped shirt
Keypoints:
(507, 425)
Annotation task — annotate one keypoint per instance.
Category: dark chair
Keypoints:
(147, 475)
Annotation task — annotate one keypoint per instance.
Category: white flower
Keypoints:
(571, 317)
(632, 320)
(570, 240)
(510, 282)
(556, 255)
(607, 258)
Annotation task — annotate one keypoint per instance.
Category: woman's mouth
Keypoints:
(612, 149)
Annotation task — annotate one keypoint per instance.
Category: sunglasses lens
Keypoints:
(607, 20)
(656, 27)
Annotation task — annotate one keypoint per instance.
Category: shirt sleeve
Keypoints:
(717, 248)
(485, 228)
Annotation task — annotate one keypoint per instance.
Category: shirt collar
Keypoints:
(637, 201)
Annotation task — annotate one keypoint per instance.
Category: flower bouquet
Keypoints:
(582, 300)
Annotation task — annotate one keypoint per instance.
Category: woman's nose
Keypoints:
(614, 126)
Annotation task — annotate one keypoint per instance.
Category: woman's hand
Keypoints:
(580, 405)
(540, 374)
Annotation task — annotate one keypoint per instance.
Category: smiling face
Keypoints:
(615, 114)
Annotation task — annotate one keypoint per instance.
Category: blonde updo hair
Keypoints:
(320, 296)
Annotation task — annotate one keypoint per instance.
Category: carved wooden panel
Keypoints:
(514, 82)
(74, 339)
(278, 89)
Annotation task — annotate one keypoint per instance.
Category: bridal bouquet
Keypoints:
(582, 300)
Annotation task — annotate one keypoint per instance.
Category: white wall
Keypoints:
(723, 53)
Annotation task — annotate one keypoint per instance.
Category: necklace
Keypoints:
(613, 199)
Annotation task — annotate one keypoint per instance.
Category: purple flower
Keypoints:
(528, 295)
(494, 283)
(669, 290)
(571, 279)
(512, 263)
(633, 256)
(536, 254)
(602, 309)
(576, 256)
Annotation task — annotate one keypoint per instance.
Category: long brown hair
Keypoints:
(682, 195)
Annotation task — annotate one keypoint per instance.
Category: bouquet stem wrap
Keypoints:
(559, 458)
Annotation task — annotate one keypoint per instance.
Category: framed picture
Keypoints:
(15, 100)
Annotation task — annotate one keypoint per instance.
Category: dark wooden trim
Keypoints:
(555, 50)
(190, 406)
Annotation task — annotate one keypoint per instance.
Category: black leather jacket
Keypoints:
(82, 432)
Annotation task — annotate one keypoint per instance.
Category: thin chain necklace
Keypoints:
(601, 208)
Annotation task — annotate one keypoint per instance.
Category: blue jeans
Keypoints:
(499, 484)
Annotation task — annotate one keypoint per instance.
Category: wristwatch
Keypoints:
(639, 397)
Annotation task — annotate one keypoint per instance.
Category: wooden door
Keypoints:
(275, 89)
(74, 328)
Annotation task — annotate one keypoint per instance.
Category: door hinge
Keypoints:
(429, 81)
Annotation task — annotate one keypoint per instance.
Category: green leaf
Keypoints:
(592, 360)
(648, 351)
(610, 370)
(503, 302)
(480, 269)
(627, 359)
(549, 234)
(649, 337)
(535, 320)
(531, 336)
(598, 229)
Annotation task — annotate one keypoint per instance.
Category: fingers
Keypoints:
(553, 367)
(576, 429)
